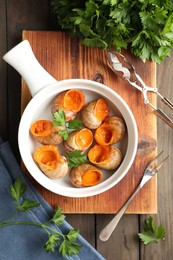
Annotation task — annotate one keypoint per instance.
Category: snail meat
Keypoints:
(45, 132)
(85, 175)
(111, 131)
(79, 140)
(70, 102)
(105, 157)
(50, 162)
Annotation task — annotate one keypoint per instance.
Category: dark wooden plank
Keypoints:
(21, 15)
(123, 243)
(164, 249)
(86, 224)
(3, 70)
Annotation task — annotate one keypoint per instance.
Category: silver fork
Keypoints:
(149, 172)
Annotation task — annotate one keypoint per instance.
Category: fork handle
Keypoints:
(107, 231)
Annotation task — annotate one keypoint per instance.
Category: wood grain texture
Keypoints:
(164, 249)
(123, 243)
(64, 57)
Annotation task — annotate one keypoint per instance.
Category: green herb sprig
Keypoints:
(76, 158)
(60, 120)
(65, 243)
(146, 26)
(151, 232)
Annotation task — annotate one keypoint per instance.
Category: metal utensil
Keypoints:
(149, 172)
(126, 71)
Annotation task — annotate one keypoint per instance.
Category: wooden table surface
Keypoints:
(16, 16)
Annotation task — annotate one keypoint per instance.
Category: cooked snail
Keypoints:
(70, 102)
(50, 162)
(45, 132)
(79, 140)
(105, 157)
(111, 131)
(94, 113)
(85, 175)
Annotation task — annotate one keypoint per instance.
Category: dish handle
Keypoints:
(22, 58)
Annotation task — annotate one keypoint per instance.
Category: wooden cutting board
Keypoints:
(64, 57)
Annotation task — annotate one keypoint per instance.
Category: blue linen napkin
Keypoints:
(25, 242)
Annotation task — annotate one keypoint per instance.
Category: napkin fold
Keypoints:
(25, 242)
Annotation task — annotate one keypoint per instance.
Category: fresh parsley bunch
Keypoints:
(146, 26)
(65, 243)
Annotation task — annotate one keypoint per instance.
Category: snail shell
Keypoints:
(79, 140)
(70, 102)
(105, 157)
(94, 113)
(50, 162)
(45, 132)
(85, 175)
(111, 131)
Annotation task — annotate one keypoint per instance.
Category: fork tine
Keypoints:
(152, 165)
(160, 165)
(155, 158)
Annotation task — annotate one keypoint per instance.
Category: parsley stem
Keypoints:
(52, 229)
(13, 215)
(4, 224)
(19, 223)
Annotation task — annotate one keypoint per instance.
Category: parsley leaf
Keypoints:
(73, 235)
(69, 248)
(27, 204)
(151, 232)
(18, 189)
(64, 248)
(59, 118)
(64, 134)
(49, 246)
(58, 217)
(75, 124)
(76, 158)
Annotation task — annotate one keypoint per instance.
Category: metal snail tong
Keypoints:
(122, 68)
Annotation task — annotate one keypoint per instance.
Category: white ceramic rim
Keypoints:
(98, 88)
